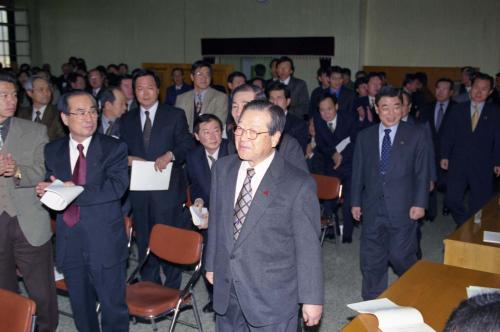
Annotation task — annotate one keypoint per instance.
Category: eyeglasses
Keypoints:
(200, 74)
(252, 134)
(83, 114)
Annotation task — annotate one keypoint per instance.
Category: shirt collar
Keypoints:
(73, 144)
(261, 167)
(214, 155)
(152, 110)
(287, 81)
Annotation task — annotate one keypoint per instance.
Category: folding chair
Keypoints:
(17, 313)
(151, 301)
(328, 188)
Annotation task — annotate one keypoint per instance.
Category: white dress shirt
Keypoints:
(152, 113)
(381, 134)
(41, 110)
(214, 155)
(73, 150)
(260, 170)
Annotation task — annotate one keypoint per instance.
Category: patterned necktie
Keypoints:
(38, 119)
(110, 126)
(439, 117)
(385, 154)
(475, 116)
(212, 161)
(243, 204)
(198, 104)
(146, 132)
(330, 126)
(72, 214)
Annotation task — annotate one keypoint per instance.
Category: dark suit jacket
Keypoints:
(171, 93)
(276, 262)
(199, 173)
(428, 145)
(477, 151)
(427, 115)
(50, 119)
(100, 207)
(299, 106)
(315, 96)
(115, 129)
(406, 183)
(169, 133)
(297, 128)
(345, 99)
(326, 141)
(364, 102)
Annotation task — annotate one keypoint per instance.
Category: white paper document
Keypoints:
(478, 290)
(197, 215)
(58, 275)
(491, 237)
(392, 317)
(343, 144)
(144, 177)
(58, 196)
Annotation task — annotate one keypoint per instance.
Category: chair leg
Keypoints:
(176, 314)
(323, 233)
(153, 324)
(196, 314)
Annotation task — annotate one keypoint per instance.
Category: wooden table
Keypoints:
(434, 289)
(465, 247)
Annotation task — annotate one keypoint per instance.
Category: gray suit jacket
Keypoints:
(406, 183)
(51, 119)
(215, 102)
(276, 263)
(26, 141)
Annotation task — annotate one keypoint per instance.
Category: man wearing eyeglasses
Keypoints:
(91, 244)
(263, 254)
(202, 99)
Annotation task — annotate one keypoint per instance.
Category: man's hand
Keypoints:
(132, 158)
(337, 160)
(210, 277)
(356, 213)
(361, 113)
(204, 224)
(311, 313)
(162, 162)
(444, 164)
(309, 151)
(416, 212)
(496, 169)
(431, 186)
(8, 165)
(40, 187)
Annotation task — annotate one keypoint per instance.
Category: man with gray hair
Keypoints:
(263, 251)
(42, 111)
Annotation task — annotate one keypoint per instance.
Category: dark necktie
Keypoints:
(72, 214)
(198, 104)
(212, 161)
(110, 126)
(243, 204)
(38, 119)
(385, 154)
(330, 126)
(146, 133)
(439, 116)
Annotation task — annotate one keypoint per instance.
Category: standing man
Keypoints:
(156, 133)
(125, 85)
(255, 222)
(298, 88)
(364, 106)
(344, 95)
(91, 244)
(39, 90)
(114, 105)
(390, 187)
(178, 88)
(202, 99)
(323, 76)
(25, 231)
(470, 150)
(96, 82)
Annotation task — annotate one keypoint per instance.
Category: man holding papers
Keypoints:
(91, 245)
(157, 133)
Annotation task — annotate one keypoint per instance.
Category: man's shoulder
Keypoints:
(297, 81)
(24, 112)
(184, 96)
(194, 156)
(28, 125)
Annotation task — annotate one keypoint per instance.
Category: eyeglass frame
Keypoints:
(250, 133)
(83, 114)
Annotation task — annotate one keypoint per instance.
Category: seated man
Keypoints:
(178, 88)
(479, 313)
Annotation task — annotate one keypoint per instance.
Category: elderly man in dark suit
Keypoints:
(158, 133)
(113, 105)
(390, 187)
(299, 94)
(254, 222)
(470, 150)
(91, 244)
(177, 88)
(39, 90)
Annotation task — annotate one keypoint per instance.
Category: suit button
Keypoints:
(232, 257)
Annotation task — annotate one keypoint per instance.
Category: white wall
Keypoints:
(433, 33)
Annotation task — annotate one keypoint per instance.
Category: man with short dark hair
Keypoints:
(364, 107)
(346, 77)
(255, 222)
(390, 186)
(344, 95)
(158, 133)
(96, 82)
(177, 88)
(125, 84)
(298, 88)
(470, 150)
(202, 99)
(42, 111)
(113, 105)
(323, 77)
(467, 75)
(25, 233)
(478, 313)
(91, 244)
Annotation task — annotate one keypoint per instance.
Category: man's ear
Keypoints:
(64, 119)
(275, 139)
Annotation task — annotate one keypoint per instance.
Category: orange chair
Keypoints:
(151, 301)
(328, 188)
(17, 313)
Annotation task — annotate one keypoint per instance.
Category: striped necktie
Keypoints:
(243, 204)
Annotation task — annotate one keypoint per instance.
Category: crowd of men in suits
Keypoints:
(247, 156)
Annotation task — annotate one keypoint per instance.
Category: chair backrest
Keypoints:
(328, 187)
(16, 312)
(176, 245)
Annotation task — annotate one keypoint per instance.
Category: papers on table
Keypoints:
(392, 317)
(477, 290)
(58, 196)
(145, 178)
(491, 237)
(197, 214)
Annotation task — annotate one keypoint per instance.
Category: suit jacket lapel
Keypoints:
(399, 141)
(63, 162)
(228, 197)
(263, 196)
(93, 155)
(137, 128)
(15, 134)
(207, 99)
